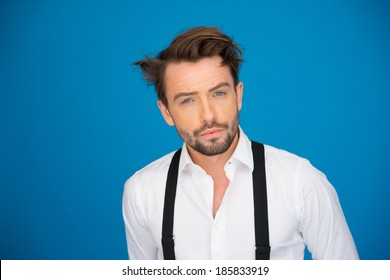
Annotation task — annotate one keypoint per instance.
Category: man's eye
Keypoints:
(186, 101)
(219, 93)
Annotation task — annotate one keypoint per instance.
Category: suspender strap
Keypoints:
(263, 248)
(167, 240)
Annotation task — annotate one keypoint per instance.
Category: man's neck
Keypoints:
(213, 164)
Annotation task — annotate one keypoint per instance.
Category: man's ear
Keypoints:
(165, 113)
(239, 93)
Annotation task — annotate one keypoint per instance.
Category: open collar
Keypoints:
(242, 153)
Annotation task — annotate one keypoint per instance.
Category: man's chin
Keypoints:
(210, 143)
(211, 149)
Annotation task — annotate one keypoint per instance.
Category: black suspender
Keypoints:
(260, 202)
(263, 248)
(167, 239)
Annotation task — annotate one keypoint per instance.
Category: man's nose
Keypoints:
(207, 112)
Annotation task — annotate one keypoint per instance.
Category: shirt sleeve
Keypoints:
(322, 222)
(140, 244)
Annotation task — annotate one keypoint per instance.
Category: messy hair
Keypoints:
(192, 45)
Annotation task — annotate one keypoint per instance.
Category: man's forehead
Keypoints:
(206, 72)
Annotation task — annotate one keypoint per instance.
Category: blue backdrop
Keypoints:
(77, 120)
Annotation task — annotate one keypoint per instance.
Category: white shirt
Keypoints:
(303, 208)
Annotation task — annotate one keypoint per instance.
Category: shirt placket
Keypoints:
(219, 236)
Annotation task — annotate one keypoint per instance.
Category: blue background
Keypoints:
(77, 120)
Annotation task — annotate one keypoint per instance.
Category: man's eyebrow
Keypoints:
(222, 84)
(184, 94)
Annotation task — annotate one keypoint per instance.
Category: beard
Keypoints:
(213, 147)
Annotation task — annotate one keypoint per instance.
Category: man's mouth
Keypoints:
(211, 133)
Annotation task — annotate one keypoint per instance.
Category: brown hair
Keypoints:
(192, 45)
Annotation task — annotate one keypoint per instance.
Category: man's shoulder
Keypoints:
(153, 173)
(157, 166)
(272, 153)
(282, 161)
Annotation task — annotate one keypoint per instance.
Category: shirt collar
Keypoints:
(185, 158)
(242, 153)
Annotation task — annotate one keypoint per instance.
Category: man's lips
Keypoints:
(212, 132)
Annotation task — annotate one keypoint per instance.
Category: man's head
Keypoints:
(196, 79)
(191, 46)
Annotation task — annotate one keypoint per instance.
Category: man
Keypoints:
(225, 197)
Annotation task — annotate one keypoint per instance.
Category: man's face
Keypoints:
(203, 104)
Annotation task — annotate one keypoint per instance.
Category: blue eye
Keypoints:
(219, 93)
(186, 101)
